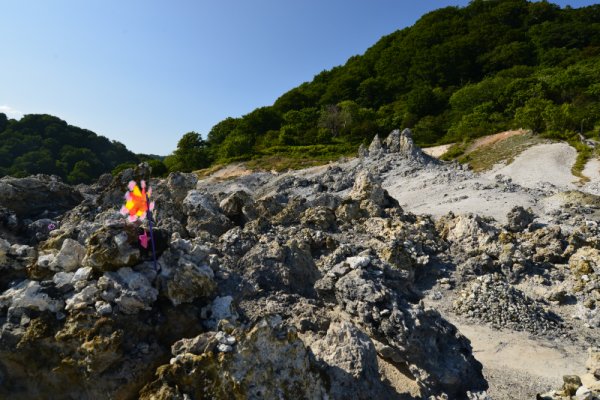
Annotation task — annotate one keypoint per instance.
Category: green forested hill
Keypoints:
(456, 74)
(39, 143)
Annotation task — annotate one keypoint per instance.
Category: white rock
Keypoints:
(22, 251)
(82, 274)
(224, 348)
(62, 279)
(103, 308)
(46, 261)
(27, 295)
(70, 256)
(583, 393)
(131, 291)
(84, 298)
(220, 309)
(358, 261)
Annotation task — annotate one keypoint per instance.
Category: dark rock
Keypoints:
(519, 219)
(204, 215)
(38, 194)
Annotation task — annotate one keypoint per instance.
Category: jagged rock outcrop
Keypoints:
(397, 142)
(308, 285)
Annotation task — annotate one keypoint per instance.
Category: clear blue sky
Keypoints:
(144, 72)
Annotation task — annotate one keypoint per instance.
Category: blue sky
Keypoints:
(144, 72)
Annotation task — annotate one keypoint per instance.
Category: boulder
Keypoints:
(34, 195)
(130, 291)
(285, 267)
(519, 218)
(204, 215)
(366, 187)
(375, 148)
(349, 358)
(185, 272)
(238, 207)
(70, 256)
(113, 247)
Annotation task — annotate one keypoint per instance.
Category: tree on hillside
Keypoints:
(335, 118)
(191, 154)
(3, 121)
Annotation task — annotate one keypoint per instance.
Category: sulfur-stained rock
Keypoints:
(470, 233)
(366, 187)
(319, 217)
(113, 247)
(571, 384)
(189, 281)
(266, 363)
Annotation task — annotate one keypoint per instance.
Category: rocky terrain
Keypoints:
(325, 283)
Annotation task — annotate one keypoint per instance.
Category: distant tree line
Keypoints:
(43, 144)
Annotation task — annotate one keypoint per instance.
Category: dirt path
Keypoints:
(516, 365)
(491, 139)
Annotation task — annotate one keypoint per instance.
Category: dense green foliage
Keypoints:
(48, 145)
(458, 73)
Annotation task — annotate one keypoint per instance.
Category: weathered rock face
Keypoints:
(267, 362)
(185, 273)
(32, 196)
(350, 359)
(204, 215)
(113, 247)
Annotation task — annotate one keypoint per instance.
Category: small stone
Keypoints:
(103, 308)
(82, 274)
(224, 348)
(583, 393)
(358, 261)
